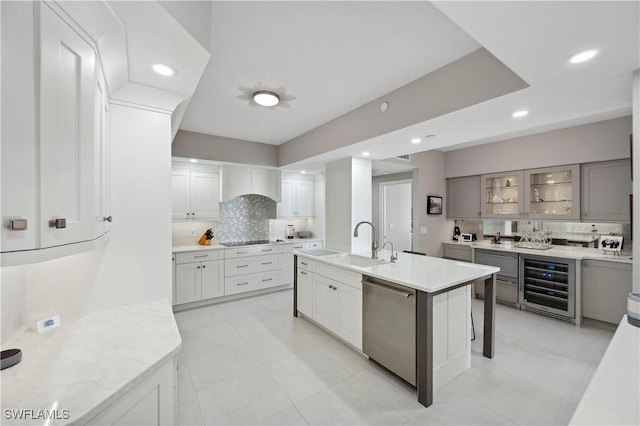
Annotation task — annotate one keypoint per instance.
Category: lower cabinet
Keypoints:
(605, 287)
(287, 257)
(151, 402)
(336, 305)
(198, 276)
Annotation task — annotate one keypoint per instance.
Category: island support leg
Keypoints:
(488, 342)
(424, 348)
(295, 286)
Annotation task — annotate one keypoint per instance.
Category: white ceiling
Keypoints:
(336, 56)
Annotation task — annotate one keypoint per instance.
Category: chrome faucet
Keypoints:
(393, 258)
(374, 243)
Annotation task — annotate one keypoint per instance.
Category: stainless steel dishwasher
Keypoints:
(389, 326)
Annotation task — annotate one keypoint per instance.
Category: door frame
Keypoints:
(381, 211)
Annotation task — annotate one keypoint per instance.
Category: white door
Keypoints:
(286, 204)
(304, 198)
(396, 214)
(305, 292)
(181, 194)
(188, 283)
(212, 279)
(324, 301)
(67, 114)
(349, 314)
(204, 195)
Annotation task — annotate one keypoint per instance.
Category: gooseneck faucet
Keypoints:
(393, 258)
(374, 243)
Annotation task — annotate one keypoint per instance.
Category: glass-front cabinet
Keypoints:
(502, 195)
(552, 193)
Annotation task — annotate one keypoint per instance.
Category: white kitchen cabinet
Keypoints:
(242, 180)
(212, 279)
(305, 292)
(324, 301)
(605, 287)
(195, 195)
(55, 162)
(188, 283)
(348, 318)
(198, 276)
(605, 189)
(463, 198)
(297, 197)
(253, 268)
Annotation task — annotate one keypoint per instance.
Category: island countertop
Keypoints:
(89, 361)
(424, 273)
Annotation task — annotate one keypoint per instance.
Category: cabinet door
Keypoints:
(266, 182)
(305, 292)
(324, 301)
(287, 201)
(287, 268)
(180, 194)
(605, 287)
(304, 198)
(463, 198)
(212, 279)
(502, 195)
(188, 282)
(605, 189)
(67, 90)
(102, 199)
(205, 196)
(552, 193)
(348, 301)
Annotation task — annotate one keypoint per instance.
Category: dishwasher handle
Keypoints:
(388, 289)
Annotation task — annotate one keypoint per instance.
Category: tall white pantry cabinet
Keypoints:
(55, 150)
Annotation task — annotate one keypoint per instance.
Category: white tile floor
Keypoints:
(251, 362)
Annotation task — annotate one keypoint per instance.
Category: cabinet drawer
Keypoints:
(251, 282)
(463, 253)
(352, 279)
(507, 262)
(232, 253)
(251, 265)
(306, 264)
(199, 256)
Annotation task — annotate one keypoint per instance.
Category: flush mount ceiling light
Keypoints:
(520, 114)
(366, 154)
(416, 141)
(193, 160)
(266, 97)
(162, 69)
(583, 56)
(304, 172)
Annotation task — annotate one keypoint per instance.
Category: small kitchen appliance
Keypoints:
(456, 232)
(290, 231)
(466, 238)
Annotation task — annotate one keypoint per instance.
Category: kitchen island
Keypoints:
(430, 277)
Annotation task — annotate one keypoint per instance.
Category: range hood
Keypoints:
(237, 181)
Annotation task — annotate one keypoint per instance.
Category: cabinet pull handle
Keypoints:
(60, 223)
(107, 219)
(267, 279)
(303, 272)
(202, 255)
(296, 247)
(245, 283)
(242, 252)
(241, 266)
(267, 249)
(267, 263)
(303, 263)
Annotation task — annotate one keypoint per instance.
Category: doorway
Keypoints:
(396, 214)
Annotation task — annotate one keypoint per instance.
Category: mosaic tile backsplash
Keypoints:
(245, 218)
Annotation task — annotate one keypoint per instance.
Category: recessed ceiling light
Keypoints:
(366, 154)
(416, 141)
(520, 114)
(266, 98)
(163, 69)
(304, 172)
(583, 56)
(193, 160)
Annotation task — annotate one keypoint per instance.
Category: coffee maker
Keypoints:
(456, 232)
(290, 231)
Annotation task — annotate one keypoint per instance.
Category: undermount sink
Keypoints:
(361, 261)
(319, 252)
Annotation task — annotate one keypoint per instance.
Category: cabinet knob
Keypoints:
(204, 266)
(197, 267)
(188, 213)
(193, 214)
(107, 219)
(60, 223)
(585, 214)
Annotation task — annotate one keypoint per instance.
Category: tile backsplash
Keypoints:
(245, 218)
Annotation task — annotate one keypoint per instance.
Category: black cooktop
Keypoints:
(244, 243)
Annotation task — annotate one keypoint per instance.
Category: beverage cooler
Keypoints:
(547, 285)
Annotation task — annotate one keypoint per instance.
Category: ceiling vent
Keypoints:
(405, 157)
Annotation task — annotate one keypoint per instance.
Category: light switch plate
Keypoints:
(423, 230)
(48, 323)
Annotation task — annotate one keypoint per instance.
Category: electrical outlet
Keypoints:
(423, 230)
(48, 323)
(192, 232)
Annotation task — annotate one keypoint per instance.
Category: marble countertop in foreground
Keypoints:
(89, 361)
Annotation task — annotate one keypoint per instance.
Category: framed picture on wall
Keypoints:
(434, 204)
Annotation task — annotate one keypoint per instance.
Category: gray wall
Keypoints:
(472, 79)
(600, 141)
(217, 148)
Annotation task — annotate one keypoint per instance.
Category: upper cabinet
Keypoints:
(297, 196)
(502, 195)
(241, 180)
(463, 198)
(195, 194)
(605, 191)
(552, 193)
(55, 156)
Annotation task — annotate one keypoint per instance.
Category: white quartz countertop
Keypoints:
(198, 247)
(568, 252)
(613, 396)
(424, 273)
(89, 361)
